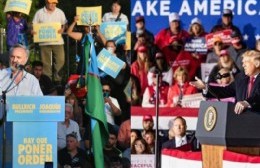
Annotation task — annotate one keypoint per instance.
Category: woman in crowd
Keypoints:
(140, 146)
(197, 32)
(149, 97)
(162, 67)
(136, 97)
(141, 67)
(180, 88)
(225, 61)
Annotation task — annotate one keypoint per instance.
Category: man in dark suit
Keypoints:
(180, 140)
(245, 88)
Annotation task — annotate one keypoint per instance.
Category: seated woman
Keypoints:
(140, 146)
(180, 88)
(149, 97)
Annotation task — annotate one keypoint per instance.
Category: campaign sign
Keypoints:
(114, 31)
(89, 15)
(34, 144)
(108, 63)
(34, 129)
(32, 108)
(196, 45)
(144, 161)
(225, 36)
(22, 6)
(46, 32)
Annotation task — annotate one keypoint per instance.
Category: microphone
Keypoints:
(20, 67)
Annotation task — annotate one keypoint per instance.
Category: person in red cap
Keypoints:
(225, 61)
(148, 124)
(227, 17)
(141, 31)
(140, 67)
(149, 97)
(163, 37)
(163, 67)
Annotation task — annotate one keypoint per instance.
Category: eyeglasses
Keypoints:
(220, 76)
(105, 90)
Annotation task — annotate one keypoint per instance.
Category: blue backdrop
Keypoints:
(246, 14)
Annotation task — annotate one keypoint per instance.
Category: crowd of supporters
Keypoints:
(164, 55)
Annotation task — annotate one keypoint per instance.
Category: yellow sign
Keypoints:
(210, 118)
(128, 40)
(46, 32)
(89, 15)
(22, 6)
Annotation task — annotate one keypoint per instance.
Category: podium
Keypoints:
(219, 128)
(33, 124)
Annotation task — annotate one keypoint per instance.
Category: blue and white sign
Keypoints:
(246, 14)
(108, 63)
(114, 31)
(196, 45)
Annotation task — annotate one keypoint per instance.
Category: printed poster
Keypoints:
(23, 6)
(225, 36)
(114, 31)
(89, 15)
(196, 45)
(108, 63)
(46, 32)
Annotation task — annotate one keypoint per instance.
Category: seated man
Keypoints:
(67, 127)
(181, 139)
(72, 155)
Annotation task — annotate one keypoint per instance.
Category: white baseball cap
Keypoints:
(174, 17)
(195, 20)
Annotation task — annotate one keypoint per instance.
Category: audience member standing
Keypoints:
(52, 50)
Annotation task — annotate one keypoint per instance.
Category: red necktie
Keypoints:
(250, 86)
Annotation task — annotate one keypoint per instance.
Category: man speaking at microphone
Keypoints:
(15, 81)
(245, 88)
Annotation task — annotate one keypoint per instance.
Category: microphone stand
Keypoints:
(157, 152)
(3, 120)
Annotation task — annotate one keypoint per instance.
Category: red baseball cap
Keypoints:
(147, 118)
(142, 49)
(223, 53)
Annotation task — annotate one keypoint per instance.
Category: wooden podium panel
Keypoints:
(212, 156)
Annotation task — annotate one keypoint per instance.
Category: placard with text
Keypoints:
(23, 6)
(89, 15)
(46, 32)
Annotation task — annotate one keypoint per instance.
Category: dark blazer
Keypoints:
(192, 143)
(238, 89)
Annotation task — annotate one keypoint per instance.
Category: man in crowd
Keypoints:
(227, 18)
(245, 87)
(45, 82)
(112, 107)
(72, 155)
(67, 127)
(179, 127)
(48, 14)
(147, 124)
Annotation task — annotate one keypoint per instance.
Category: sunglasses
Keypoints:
(220, 76)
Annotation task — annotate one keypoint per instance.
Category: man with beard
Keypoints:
(110, 150)
(148, 124)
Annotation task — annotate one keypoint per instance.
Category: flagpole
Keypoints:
(157, 152)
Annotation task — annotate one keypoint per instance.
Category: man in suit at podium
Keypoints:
(15, 80)
(245, 88)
